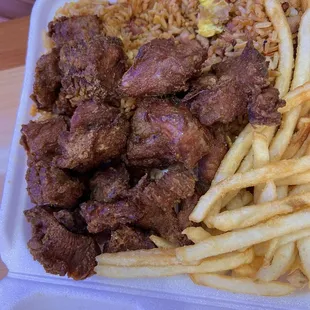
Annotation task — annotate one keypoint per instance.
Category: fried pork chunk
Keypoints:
(163, 67)
(264, 109)
(186, 208)
(40, 138)
(148, 205)
(162, 134)
(58, 250)
(102, 216)
(175, 184)
(158, 200)
(208, 165)
(97, 134)
(241, 88)
(48, 185)
(47, 81)
(127, 238)
(71, 220)
(92, 69)
(108, 185)
(220, 104)
(75, 28)
(84, 65)
(250, 68)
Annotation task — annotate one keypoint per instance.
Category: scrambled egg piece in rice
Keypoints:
(213, 13)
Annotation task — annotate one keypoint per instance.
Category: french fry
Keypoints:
(296, 265)
(284, 134)
(153, 257)
(260, 249)
(273, 245)
(303, 149)
(283, 259)
(243, 198)
(247, 197)
(269, 193)
(251, 215)
(277, 17)
(260, 158)
(243, 285)
(296, 143)
(299, 234)
(213, 264)
(296, 97)
(238, 181)
(235, 203)
(305, 4)
(235, 240)
(299, 94)
(302, 63)
(304, 254)
(247, 164)
(297, 179)
(297, 279)
(162, 243)
(260, 150)
(282, 192)
(303, 121)
(232, 160)
(300, 189)
(248, 270)
(234, 156)
(244, 271)
(196, 234)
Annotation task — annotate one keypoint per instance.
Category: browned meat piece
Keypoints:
(164, 223)
(157, 200)
(58, 250)
(241, 80)
(128, 238)
(48, 185)
(40, 138)
(77, 28)
(47, 85)
(102, 239)
(250, 69)
(102, 216)
(98, 133)
(208, 165)
(187, 206)
(176, 184)
(163, 134)
(163, 67)
(92, 69)
(108, 185)
(220, 104)
(148, 205)
(63, 105)
(264, 110)
(71, 220)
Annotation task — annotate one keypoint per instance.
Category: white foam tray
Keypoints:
(27, 286)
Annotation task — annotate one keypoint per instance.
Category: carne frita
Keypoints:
(104, 177)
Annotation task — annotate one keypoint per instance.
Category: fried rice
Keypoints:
(136, 22)
(139, 21)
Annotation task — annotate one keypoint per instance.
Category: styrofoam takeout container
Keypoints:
(28, 286)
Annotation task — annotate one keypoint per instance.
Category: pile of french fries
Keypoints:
(248, 240)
